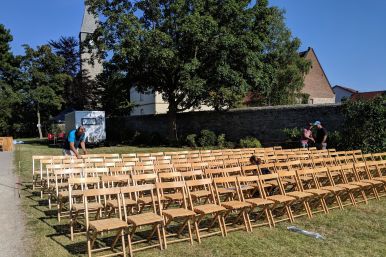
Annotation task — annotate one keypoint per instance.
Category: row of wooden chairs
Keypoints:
(178, 209)
(320, 162)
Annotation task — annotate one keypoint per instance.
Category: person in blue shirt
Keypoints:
(75, 138)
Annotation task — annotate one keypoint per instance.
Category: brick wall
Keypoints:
(265, 123)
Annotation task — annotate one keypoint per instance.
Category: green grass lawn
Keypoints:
(351, 232)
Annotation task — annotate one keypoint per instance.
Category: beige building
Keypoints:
(316, 83)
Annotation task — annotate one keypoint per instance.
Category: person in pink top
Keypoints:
(307, 136)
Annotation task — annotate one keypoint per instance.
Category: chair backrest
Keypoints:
(99, 194)
(130, 159)
(323, 177)
(120, 170)
(289, 186)
(95, 172)
(182, 167)
(140, 179)
(143, 169)
(250, 170)
(227, 183)
(304, 181)
(170, 176)
(164, 188)
(200, 184)
(128, 155)
(268, 179)
(192, 175)
(133, 192)
(164, 168)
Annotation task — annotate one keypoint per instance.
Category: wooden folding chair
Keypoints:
(308, 183)
(76, 188)
(324, 181)
(103, 223)
(179, 213)
(259, 205)
(61, 186)
(143, 179)
(142, 218)
(282, 203)
(363, 175)
(342, 181)
(205, 208)
(294, 190)
(232, 202)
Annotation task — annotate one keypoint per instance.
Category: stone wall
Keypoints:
(265, 123)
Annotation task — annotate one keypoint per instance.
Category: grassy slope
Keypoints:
(351, 232)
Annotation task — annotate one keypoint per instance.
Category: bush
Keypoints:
(365, 125)
(250, 142)
(191, 140)
(207, 138)
(293, 133)
(334, 140)
(221, 141)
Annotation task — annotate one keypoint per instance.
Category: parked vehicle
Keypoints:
(93, 121)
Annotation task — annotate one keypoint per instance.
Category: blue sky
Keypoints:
(349, 36)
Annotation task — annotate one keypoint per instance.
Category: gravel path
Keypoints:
(12, 223)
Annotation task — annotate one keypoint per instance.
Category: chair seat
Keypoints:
(289, 180)
(208, 208)
(91, 206)
(259, 201)
(372, 181)
(235, 204)
(333, 188)
(299, 194)
(107, 224)
(348, 186)
(224, 191)
(280, 198)
(317, 191)
(147, 199)
(383, 179)
(73, 193)
(174, 196)
(247, 187)
(361, 183)
(179, 212)
(114, 203)
(144, 219)
(200, 193)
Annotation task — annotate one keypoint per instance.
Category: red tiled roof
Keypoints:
(367, 95)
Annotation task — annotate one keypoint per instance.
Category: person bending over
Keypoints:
(75, 138)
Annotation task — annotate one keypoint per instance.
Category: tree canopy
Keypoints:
(200, 52)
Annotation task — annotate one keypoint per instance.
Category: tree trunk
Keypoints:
(39, 125)
(172, 116)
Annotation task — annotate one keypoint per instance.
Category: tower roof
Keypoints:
(89, 22)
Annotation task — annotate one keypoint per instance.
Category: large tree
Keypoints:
(45, 77)
(9, 83)
(193, 52)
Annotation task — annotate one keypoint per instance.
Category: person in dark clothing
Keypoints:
(321, 136)
(75, 138)
(257, 161)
